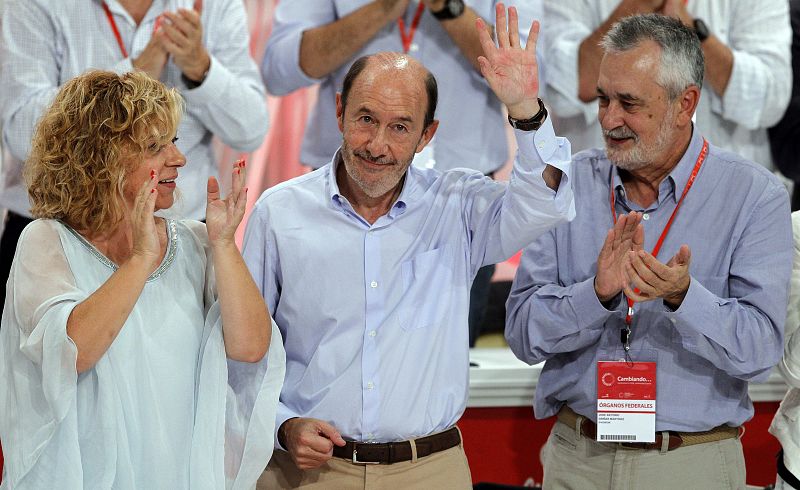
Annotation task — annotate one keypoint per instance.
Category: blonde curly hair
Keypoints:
(87, 142)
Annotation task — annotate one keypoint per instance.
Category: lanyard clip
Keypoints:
(625, 338)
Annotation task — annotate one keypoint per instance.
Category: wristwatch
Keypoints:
(531, 124)
(701, 29)
(452, 10)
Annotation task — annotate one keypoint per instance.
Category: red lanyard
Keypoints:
(117, 35)
(657, 248)
(406, 38)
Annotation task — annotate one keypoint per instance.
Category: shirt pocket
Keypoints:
(427, 284)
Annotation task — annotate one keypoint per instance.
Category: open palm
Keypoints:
(224, 215)
(510, 69)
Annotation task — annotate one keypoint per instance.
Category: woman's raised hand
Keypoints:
(224, 215)
(145, 236)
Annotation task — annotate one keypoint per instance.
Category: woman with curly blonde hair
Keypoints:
(135, 351)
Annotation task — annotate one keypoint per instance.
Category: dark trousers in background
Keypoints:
(15, 223)
(479, 301)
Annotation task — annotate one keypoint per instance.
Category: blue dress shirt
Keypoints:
(374, 317)
(727, 331)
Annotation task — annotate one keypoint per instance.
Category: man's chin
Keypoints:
(625, 162)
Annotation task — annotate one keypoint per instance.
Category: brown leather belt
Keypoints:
(395, 452)
(676, 439)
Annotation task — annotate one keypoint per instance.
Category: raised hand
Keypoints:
(625, 237)
(224, 215)
(153, 58)
(510, 69)
(649, 279)
(310, 441)
(146, 244)
(182, 37)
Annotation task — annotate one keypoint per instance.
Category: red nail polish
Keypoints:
(152, 173)
(239, 171)
(245, 189)
(152, 191)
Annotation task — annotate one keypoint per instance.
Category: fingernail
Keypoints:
(245, 189)
(152, 173)
(244, 162)
(239, 171)
(152, 191)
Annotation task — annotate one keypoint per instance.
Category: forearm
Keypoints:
(95, 323)
(551, 319)
(462, 32)
(245, 320)
(590, 53)
(326, 48)
(734, 336)
(719, 64)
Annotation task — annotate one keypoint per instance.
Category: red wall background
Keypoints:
(503, 444)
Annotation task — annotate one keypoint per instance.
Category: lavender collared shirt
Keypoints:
(727, 331)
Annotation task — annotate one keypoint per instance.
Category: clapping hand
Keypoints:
(145, 236)
(224, 215)
(510, 69)
(182, 37)
(627, 236)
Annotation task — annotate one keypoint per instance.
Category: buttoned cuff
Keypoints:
(215, 84)
(694, 313)
(587, 306)
(282, 414)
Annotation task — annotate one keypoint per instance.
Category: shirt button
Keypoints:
(372, 333)
(413, 47)
(373, 284)
(370, 436)
(645, 216)
(370, 385)
(674, 321)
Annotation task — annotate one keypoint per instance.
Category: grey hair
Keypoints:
(682, 61)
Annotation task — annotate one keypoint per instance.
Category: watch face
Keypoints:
(701, 29)
(456, 7)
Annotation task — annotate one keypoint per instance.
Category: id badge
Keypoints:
(626, 401)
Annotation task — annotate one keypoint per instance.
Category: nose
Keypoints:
(611, 116)
(377, 145)
(175, 158)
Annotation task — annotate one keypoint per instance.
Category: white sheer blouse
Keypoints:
(163, 408)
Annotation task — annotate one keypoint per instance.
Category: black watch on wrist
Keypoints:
(452, 10)
(701, 29)
(531, 124)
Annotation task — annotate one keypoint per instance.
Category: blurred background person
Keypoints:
(748, 75)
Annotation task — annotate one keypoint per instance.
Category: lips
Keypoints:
(169, 183)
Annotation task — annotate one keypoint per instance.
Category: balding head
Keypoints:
(396, 65)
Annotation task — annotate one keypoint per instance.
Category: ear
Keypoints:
(427, 135)
(688, 101)
(339, 112)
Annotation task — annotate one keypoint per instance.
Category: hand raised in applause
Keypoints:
(146, 244)
(626, 236)
(223, 216)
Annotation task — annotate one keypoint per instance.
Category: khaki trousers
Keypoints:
(443, 470)
(572, 461)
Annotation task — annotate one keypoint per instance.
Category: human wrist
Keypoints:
(282, 431)
(197, 72)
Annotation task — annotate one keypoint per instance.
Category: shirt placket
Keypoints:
(374, 314)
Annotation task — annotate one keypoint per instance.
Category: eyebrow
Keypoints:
(623, 96)
(367, 110)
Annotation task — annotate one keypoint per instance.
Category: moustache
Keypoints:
(366, 156)
(620, 132)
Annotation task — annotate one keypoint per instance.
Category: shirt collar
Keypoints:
(676, 180)
(338, 200)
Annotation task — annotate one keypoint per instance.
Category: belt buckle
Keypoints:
(356, 461)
